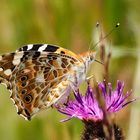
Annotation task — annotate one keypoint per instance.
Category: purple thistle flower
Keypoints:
(95, 118)
(114, 100)
(84, 107)
(87, 107)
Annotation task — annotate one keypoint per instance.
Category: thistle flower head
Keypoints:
(84, 107)
(87, 107)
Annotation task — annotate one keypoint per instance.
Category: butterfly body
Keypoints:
(42, 75)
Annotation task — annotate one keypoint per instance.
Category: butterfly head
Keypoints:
(88, 58)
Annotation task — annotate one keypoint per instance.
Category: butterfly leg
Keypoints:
(90, 77)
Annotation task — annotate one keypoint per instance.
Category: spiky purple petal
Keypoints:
(115, 100)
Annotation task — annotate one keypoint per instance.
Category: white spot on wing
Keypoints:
(27, 70)
(14, 103)
(1, 69)
(29, 47)
(40, 78)
(42, 48)
(24, 117)
(17, 58)
(35, 110)
(0, 57)
(8, 72)
(16, 62)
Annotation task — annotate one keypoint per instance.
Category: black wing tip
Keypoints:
(35, 47)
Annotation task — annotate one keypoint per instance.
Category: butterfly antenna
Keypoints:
(104, 37)
(99, 61)
(91, 42)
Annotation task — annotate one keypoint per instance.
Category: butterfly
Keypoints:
(41, 75)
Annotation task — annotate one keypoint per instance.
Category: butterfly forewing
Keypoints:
(41, 77)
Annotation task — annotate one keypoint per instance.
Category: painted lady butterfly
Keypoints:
(42, 75)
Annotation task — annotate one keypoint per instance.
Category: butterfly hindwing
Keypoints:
(40, 79)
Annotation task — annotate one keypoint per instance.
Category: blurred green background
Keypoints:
(71, 24)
